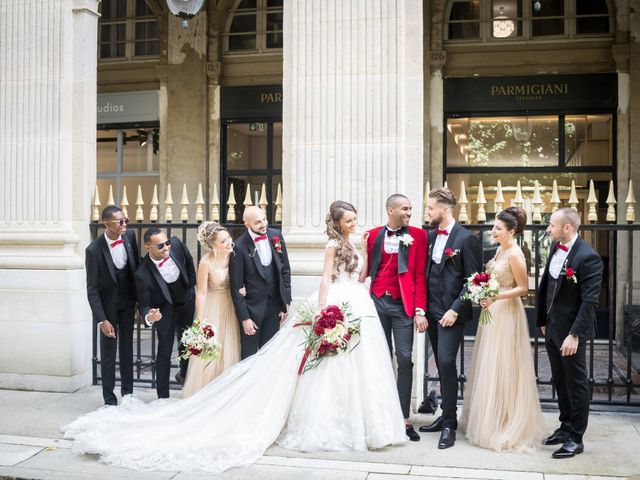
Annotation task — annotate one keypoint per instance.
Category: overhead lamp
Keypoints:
(142, 137)
(503, 26)
(185, 9)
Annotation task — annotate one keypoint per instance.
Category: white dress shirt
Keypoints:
(391, 242)
(169, 270)
(263, 248)
(118, 253)
(441, 241)
(559, 257)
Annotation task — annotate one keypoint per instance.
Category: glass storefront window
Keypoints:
(587, 140)
(127, 29)
(247, 146)
(127, 157)
(252, 158)
(464, 19)
(502, 141)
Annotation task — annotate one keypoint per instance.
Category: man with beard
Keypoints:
(259, 264)
(397, 255)
(455, 254)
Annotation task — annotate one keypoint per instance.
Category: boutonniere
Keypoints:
(570, 273)
(406, 239)
(450, 252)
(276, 244)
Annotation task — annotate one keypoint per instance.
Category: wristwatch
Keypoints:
(420, 311)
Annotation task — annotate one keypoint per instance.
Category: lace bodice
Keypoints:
(218, 277)
(499, 265)
(339, 273)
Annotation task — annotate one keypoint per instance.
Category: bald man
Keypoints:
(261, 266)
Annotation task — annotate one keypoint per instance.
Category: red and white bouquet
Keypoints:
(200, 341)
(482, 286)
(332, 332)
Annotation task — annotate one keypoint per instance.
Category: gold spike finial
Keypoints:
(153, 214)
(630, 201)
(592, 201)
(95, 209)
(573, 196)
(215, 204)
(462, 216)
(168, 201)
(481, 202)
(231, 206)
(184, 201)
(278, 216)
(611, 202)
(199, 203)
(139, 205)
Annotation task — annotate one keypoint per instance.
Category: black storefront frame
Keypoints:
(261, 104)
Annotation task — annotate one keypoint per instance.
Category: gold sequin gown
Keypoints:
(219, 311)
(501, 405)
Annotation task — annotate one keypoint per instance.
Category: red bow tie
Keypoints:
(261, 237)
(562, 247)
(163, 261)
(441, 232)
(117, 242)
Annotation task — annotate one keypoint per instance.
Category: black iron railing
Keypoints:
(614, 353)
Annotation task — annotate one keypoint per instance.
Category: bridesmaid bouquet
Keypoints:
(482, 286)
(200, 341)
(331, 332)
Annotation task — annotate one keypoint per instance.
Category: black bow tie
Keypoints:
(399, 232)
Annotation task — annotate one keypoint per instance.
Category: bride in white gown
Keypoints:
(348, 402)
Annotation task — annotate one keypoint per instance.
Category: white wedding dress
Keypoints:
(349, 402)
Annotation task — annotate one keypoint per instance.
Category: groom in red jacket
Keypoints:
(397, 256)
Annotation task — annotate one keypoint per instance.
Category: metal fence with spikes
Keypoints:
(614, 355)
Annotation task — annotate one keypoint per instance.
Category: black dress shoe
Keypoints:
(179, 378)
(447, 438)
(434, 427)
(411, 433)
(429, 404)
(557, 438)
(569, 449)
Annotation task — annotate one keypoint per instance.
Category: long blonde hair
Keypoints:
(345, 254)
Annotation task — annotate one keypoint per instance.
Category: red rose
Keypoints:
(318, 328)
(570, 272)
(194, 351)
(276, 239)
(333, 311)
(480, 278)
(324, 346)
(207, 330)
(448, 252)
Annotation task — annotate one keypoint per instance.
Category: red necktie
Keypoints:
(261, 237)
(163, 262)
(117, 242)
(562, 247)
(441, 232)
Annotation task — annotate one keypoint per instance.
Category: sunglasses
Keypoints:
(122, 221)
(160, 246)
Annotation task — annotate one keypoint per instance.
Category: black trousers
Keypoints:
(174, 321)
(267, 328)
(395, 322)
(123, 343)
(571, 381)
(445, 342)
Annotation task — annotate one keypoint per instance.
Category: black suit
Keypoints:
(445, 287)
(268, 289)
(112, 296)
(176, 302)
(565, 307)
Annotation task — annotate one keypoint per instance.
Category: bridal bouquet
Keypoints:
(482, 286)
(200, 341)
(331, 332)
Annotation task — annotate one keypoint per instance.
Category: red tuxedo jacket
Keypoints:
(412, 262)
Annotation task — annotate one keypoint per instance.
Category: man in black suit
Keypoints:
(165, 283)
(260, 264)
(566, 304)
(111, 261)
(455, 254)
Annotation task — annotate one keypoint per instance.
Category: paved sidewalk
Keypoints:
(32, 447)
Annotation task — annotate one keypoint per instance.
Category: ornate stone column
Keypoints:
(47, 173)
(352, 117)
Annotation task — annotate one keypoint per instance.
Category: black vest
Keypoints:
(552, 288)
(126, 287)
(271, 275)
(179, 292)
